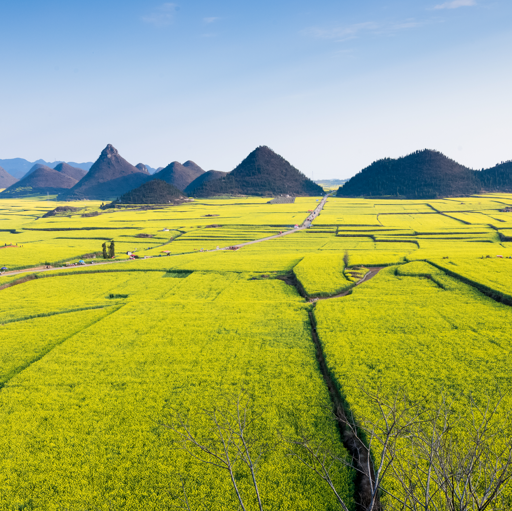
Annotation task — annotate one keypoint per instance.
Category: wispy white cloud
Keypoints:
(161, 16)
(455, 4)
(347, 52)
(356, 30)
(212, 19)
(342, 33)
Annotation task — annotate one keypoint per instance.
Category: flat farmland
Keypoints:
(225, 297)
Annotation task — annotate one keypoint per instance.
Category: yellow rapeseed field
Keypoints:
(198, 304)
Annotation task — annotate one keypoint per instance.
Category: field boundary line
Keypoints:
(16, 282)
(341, 411)
(448, 216)
(49, 348)
(494, 294)
(49, 314)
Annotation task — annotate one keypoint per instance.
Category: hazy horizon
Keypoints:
(330, 87)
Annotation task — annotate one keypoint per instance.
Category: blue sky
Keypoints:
(330, 85)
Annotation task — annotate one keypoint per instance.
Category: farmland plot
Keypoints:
(385, 336)
(116, 346)
(322, 275)
(493, 275)
(117, 379)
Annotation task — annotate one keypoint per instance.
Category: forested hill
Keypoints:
(263, 172)
(155, 191)
(210, 175)
(179, 175)
(498, 178)
(424, 174)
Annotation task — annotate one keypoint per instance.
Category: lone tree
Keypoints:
(346, 259)
(112, 250)
(104, 246)
(228, 442)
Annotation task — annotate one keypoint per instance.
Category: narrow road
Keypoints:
(309, 220)
(39, 269)
(305, 225)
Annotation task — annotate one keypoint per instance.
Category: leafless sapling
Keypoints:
(225, 440)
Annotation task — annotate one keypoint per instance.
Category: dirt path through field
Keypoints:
(40, 269)
(372, 273)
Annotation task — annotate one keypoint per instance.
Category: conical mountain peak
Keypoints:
(193, 166)
(262, 172)
(155, 191)
(142, 168)
(70, 171)
(210, 175)
(109, 151)
(35, 167)
(263, 149)
(179, 175)
(110, 176)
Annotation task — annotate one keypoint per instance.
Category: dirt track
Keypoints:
(372, 273)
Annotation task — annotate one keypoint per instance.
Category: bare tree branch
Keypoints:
(226, 442)
(420, 454)
(412, 454)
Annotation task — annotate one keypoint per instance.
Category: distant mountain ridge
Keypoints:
(111, 176)
(18, 167)
(70, 171)
(142, 168)
(424, 174)
(151, 170)
(179, 175)
(41, 181)
(6, 179)
(330, 182)
(263, 172)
